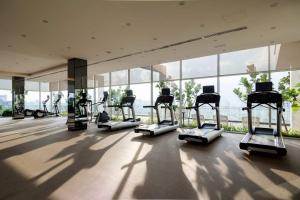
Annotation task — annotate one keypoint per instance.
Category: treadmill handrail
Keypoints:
(148, 106)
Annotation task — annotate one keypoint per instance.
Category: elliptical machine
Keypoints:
(45, 112)
(266, 140)
(102, 116)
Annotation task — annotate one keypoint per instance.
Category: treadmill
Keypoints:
(127, 101)
(164, 126)
(266, 140)
(205, 132)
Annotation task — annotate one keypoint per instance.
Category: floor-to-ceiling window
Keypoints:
(239, 71)
(167, 75)
(140, 83)
(101, 86)
(32, 96)
(196, 73)
(119, 83)
(233, 74)
(5, 96)
(45, 94)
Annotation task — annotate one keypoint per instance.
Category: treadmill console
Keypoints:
(209, 89)
(129, 93)
(166, 91)
(263, 86)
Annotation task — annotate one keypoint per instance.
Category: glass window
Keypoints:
(174, 87)
(45, 87)
(115, 97)
(234, 97)
(119, 77)
(231, 104)
(166, 71)
(140, 75)
(191, 88)
(240, 62)
(200, 67)
(5, 84)
(32, 100)
(63, 104)
(280, 79)
(32, 86)
(5, 99)
(143, 97)
(274, 53)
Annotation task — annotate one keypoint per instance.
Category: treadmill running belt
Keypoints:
(262, 139)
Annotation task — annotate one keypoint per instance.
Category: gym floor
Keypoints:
(40, 159)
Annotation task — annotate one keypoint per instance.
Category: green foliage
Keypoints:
(235, 129)
(7, 113)
(0, 108)
(162, 84)
(191, 124)
(116, 118)
(248, 84)
(64, 114)
(291, 133)
(189, 94)
(116, 95)
(191, 90)
(289, 94)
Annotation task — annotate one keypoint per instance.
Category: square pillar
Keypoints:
(18, 97)
(77, 84)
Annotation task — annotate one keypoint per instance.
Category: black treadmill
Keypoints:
(164, 126)
(205, 132)
(266, 140)
(127, 101)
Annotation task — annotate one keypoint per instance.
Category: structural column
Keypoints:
(77, 84)
(18, 97)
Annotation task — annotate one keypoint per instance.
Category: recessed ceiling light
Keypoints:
(45, 21)
(23, 35)
(128, 24)
(181, 3)
(273, 28)
(108, 52)
(93, 38)
(273, 5)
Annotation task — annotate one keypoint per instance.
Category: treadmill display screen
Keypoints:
(263, 86)
(209, 89)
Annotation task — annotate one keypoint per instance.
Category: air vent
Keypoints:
(176, 44)
(226, 32)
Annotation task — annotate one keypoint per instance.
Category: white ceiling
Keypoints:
(39, 35)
